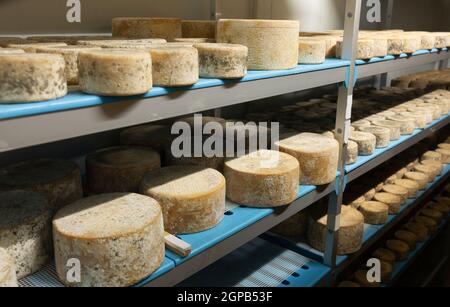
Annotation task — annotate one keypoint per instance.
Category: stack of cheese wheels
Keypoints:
(408, 124)
(366, 142)
(445, 154)
(408, 237)
(123, 43)
(399, 247)
(157, 137)
(364, 50)
(31, 77)
(444, 209)
(395, 45)
(380, 46)
(362, 123)
(25, 229)
(351, 152)
(393, 126)
(435, 165)
(427, 40)
(431, 155)
(8, 277)
(199, 28)
(393, 201)
(11, 51)
(192, 198)
(143, 27)
(418, 229)
(119, 169)
(396, 190)
(272, 44)
(264, 178)
(58, 180)
(69, 39)
(174, 65)
(31, 48)
(382, 135)
(223, 61)
(429, 223)
(350, 233)
(70, 54)
(118, 239)
(420, 120)
(420, 178)
(384, 254)
(411, 185)
(436, 215)
(374, 212)
(427, 170)
(411, 43)
(311, 51)
(361, 278)
(294, 226)
(317, 155)
(440, 39)
(115, 72)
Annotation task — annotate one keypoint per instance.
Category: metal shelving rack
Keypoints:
(80, 114)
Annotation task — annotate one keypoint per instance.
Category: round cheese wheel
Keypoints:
(5, 41)
(294, 226)
(391, 179)
(366, 142)
(175, 65)
(115, 72)
(436, 215)
(317, 155)
(386, 271)
(380, 45)
(440, 40)
(355, 202)
(420, 119)
(8, 277)
(382, 135)
(264, 178)
(427, 41)
(330, 43)
(350, 233)
(123, 43)
(384, 254)
(31, 77)
(395, 45)
(401, 172)
(427, 222)
(362, 123)
(408, 124)
(427, 170)
(418, 229)
(31, 48)
(58, 180)
(421, 178)
(272, 44)
(118, 239)
(311, 51)
(393, 201)
(157, 137)
(444, 209)
(408, 237)
(411, 43)
(68, 39)
(393, 126)
(437, 166)
(411, 185)
(432, 155)
(144, 27)
(443, 200)
(425, 111)
(374, 212)
(70, 54)
(11, 51)
(364, 49)
(400, 248)
(396, 190)
(351, 153)
(348, 284)
(194, 40)
(187, 207)
(445, 155)
(198, 28)
(223, 61)
(119, 169)
(25, 230)
(361, 278)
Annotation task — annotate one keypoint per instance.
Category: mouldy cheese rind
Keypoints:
(311, 51)
(144, 27)
(8, 276)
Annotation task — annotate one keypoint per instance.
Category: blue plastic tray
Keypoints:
(401, 56)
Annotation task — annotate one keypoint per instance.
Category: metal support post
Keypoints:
(343, 117)
(443, 64)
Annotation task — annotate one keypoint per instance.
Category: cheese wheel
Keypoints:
(401, 172)
(118, 239)
(440, 40)
(419, 177)
(411, 43)
(380, 46)
(391, 179)
(31, 77)
(374, 212)
(362, 123)
(444, 209)
(348, 284)
(157, 137)
(124, 43)
(294, 226)
(356, 201)
(396, 190)
(187, 207)
(386, 271)
(25, 230)
(395, 45)
(420, 119)
(144, 27)
(427, 170)
(11, 51)
(408, 124)
(350, 233)
(194, 40)
(366, 142)
(436, 215)
(311, 51)
(31, 48)
(175, 65)
(8, 277)
(418, 229)
(425, 111)
(330, 43)
(411, 185)
(58, 180)
(427, 40)
(432, 155)
(393, 126)
(317, 155)
(5, 41)
(408, 237)
(70, 54)
(393, 201)
(384, 254)
(445, 155)
(119, 169)
(264, 178)
(351, 153)
(361, 278)
(68, 39)
(115, 72)
(427, 222)
(379, 187)
(223, 61)
(198, 28)
(400, 248)
(272, 44)
(382, 135)
(437, 166)
(443, 200)
(364, 49)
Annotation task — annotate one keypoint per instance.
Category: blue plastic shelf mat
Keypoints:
(76, 100)
(364, 159)
(401, 56)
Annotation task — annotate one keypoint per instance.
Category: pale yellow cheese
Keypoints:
(382, 135)
(393, 126)
(364, 49)
(445, 155)
(199, 28)
(311, 51)
(419, 177)
(396, 190)
(31, 48)
(11, 51)
(145, 27)
(393, 201)
(374, 212)
(411, 185)
(366, 142)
